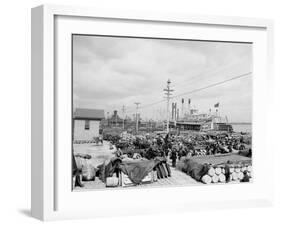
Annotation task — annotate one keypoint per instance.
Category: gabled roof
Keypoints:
(84, 113)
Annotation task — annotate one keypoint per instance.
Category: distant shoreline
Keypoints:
(240, 123)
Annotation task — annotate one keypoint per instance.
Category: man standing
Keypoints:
(76, 173)
(174, 157)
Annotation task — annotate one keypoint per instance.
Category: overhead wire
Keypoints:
(195, 90)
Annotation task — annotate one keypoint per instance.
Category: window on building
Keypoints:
(87, 124)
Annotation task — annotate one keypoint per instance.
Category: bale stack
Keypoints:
(227, 173)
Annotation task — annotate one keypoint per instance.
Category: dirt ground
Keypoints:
(99, 153)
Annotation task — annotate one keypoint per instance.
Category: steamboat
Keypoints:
(193, 120)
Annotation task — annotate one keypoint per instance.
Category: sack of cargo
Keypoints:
(168, 169)
(126, 181)
(165, 169)
(163, 172)
(88, 172)
(112, 181)
(159, 175)
(80, 162)
(154, 175)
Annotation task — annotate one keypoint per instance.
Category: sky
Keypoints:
(112, 72)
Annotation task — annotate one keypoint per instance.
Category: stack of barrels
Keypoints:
(227, 173)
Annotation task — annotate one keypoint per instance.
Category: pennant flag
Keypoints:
(216, 105)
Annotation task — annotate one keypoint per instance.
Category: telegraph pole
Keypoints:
(123, 111)
(168, 93)
(137, 117)
(182, 107)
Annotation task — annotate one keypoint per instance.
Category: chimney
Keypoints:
(188, 106)
(182, 107)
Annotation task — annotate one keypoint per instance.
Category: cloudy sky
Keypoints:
(109, 72)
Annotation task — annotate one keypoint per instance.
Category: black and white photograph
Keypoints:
(155, 112)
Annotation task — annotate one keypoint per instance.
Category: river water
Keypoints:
(242, 128)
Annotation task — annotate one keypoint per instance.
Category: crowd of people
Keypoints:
(177, 146)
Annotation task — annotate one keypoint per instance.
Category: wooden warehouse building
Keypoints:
(86, 123)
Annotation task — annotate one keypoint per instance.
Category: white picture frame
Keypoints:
(51, 196)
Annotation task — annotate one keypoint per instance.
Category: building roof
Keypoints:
(84, 113)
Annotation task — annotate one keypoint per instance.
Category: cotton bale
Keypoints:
(215, 178)
(206, 179)
(237, 169)
(249, 168)
(240, 175)
(234, 176)
(211, 172)
(218, 170)
(222, 178)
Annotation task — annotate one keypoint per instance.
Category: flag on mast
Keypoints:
(217, 105)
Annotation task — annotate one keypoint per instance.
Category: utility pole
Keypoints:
(108, 119)
(168, 93)
(123, 111)
(137, 117)
(116, 119)
(182, 107)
